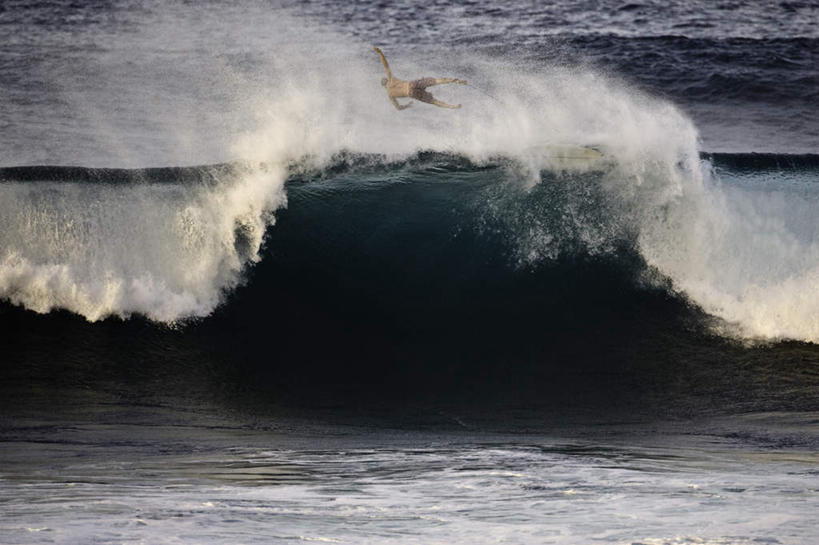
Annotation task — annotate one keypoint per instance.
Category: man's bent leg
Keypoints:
(444, 104)
(423, 83)
(428, 82)
(426, 96)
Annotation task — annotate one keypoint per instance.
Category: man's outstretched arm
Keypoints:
(384, 61)
(398, 106)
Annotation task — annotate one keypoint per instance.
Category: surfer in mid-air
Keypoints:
(417, 89)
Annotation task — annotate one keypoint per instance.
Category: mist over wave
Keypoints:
(290, 99)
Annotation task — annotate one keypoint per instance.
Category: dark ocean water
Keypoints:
(245, 300)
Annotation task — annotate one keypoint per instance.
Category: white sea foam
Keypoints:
(745, 255)
(163, 251)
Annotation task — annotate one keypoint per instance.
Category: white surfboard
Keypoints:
(576, 158)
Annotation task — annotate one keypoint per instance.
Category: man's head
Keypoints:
(384, 82)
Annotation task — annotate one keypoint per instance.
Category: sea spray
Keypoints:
(747, 255)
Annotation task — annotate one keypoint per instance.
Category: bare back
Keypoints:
(397, 88)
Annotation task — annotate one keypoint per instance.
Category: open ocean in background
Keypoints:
(245, 300)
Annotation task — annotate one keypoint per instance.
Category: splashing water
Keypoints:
(278, 93)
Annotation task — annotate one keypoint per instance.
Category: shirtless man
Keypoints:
(417, 89)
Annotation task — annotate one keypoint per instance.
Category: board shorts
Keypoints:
(418, 89)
